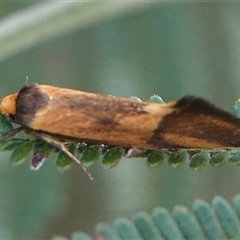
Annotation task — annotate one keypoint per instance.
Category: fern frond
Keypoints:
(216, 221)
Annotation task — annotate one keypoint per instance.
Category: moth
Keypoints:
(189, 122)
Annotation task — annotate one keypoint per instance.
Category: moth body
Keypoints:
(187, 123)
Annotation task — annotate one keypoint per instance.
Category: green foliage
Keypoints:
(187, 223)
(81, 236)
(166, 223)
(156, 99)
(237, 108)
(219, 158)
(5, 125)
(146, 226)
(126, 229)
(105, 231)
(156, 158)
(234, 158)
(219, 221)
(199, 160)
(63, 161)
(227, 218)
(90, 155)
(178, 158)
(206, 216)
(13, 143)
(21, 152)
(112, 157)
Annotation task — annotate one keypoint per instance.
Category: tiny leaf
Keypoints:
(112, 156)
(91, 155)
(234, 157)
(237, 108)
(13, 142)
(3, 144)
(63, 161)
(218, 159)
(199, 160)
(178, 158)
(5, 125)
(156, 99)
(42, 147)
(134, 98)
(156, 158)
(21, 152)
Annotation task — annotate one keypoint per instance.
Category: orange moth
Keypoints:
(186, 123)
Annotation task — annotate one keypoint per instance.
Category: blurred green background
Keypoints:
(122, 49)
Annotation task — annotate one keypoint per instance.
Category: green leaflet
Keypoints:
(166, 223)
(234, 157)
(156, 158)
(205, 221)
(112, 157)
(227, 217)
(126, 229)
(90, 155)
(155, 99)
(187, 223)
(178, 158)
(21, 152)
(199, 160)
(146, 226)
(237, 108)
(80, 236)
(63, 161)
(5, 125)
(105, 231)
(218, 159)
(12, 143)
(207, 218)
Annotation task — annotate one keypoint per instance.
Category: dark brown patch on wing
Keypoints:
(195, 120)
(30, 99)
(107, 122)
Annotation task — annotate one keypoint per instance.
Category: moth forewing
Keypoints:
(88, 116)
(189, 122)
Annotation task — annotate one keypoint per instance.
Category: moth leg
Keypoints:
(59, 145)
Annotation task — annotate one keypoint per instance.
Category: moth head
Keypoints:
(8, 104)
